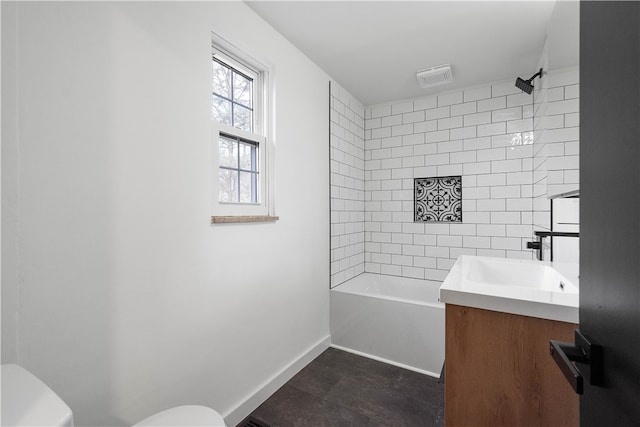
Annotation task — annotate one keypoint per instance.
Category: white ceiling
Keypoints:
(374, 48)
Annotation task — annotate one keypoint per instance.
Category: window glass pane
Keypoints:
(248, 160)
(242, 118)
(221, 80)
(228, 186)
(221, 110)
(228, 152)
(242, 90)
(232, 105)
(248, 187)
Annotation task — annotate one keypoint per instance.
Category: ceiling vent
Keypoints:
(435, 76)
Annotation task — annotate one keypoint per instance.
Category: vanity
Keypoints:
(500, 315)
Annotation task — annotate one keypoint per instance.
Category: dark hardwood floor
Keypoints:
(342, 389)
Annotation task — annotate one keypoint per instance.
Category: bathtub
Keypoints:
(393, 319)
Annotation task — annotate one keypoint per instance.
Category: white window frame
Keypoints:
(262, 134)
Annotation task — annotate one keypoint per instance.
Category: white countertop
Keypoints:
(524, 287)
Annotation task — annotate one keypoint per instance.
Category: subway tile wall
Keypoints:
(511, 151)
(541, 204)
(562, 134)
(347, 185)
(484, 134)
(557, 143)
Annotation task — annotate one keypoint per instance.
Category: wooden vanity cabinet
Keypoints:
(499, 372)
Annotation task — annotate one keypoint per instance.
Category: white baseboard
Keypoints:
(387, 361)
(262, 393)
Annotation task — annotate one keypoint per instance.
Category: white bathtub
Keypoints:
(392, 319)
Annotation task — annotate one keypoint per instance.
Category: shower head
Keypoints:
(524, 85)
(527, 85)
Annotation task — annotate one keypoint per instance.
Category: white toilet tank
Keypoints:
(27, 401)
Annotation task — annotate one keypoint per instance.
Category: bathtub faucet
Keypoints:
(540, 236)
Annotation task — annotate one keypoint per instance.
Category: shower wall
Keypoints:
(347, 184)
(557, 141)
(483, 134)
(541, 204)
(556, 155)
(512, 150)
(562, 136)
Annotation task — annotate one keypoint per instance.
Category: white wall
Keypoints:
(10, 189)
(347, 185)
(129, 300)
(482, 133)
(556, 127)
(562, 133)
(541, 204)
(556, 157)
(511, 149)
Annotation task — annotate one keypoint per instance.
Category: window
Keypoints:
(241, 148)
(232, 96)
(238, 170)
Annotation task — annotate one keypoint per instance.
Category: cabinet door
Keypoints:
(499, 372)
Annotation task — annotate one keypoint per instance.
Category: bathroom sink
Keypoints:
(525, 287)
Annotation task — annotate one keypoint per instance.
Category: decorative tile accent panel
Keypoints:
(438, 199)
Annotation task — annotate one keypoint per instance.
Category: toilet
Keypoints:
(187, 415)
(27, 401)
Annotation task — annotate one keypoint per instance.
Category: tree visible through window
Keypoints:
(232, 96)
(238, 155)
(238, 170)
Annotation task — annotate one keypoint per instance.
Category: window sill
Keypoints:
(243, 218)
